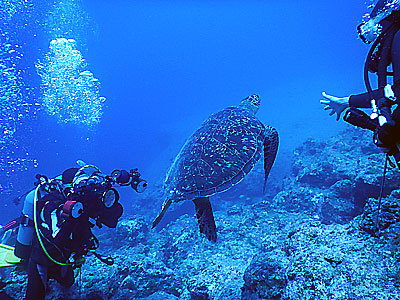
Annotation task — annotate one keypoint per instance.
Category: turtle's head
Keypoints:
(251, 102)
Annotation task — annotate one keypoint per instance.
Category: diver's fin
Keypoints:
(271, 143)
(7, 257)
(162, 213)
(205, 218)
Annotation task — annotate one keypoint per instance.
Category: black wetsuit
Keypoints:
(362, 100)
(72, 236)
(389, 134)
(63, 235)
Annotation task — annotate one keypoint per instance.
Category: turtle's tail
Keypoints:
(162, 213)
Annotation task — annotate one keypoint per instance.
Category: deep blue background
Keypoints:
(165, 66)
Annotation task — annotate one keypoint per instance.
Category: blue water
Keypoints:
(165, 66)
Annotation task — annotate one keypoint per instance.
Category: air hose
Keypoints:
(366, 70)
(38, 233)
(381, 193)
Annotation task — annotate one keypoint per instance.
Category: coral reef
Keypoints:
(315, 240)
(265, 277)
(334, 179)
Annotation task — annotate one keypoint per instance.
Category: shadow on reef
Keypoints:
(303, 244)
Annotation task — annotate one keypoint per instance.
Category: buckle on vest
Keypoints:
(26, 221)
(389, 94)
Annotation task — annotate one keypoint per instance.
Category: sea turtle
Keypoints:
(216, 157)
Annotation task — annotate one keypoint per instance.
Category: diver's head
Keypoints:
(371, 27)
(251, 102)
(68, 175)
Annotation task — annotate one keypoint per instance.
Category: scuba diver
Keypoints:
(382, 30)
(55, 229)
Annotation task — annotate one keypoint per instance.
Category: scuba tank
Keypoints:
(26, 229)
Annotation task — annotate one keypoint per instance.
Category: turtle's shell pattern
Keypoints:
(217, 156)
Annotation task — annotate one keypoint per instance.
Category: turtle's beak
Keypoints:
(255, 109)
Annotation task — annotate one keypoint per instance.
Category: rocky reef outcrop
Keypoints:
(333, 179)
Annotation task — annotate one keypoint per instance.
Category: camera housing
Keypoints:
(132, 178)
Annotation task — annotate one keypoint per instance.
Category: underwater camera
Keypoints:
(88, 193)
(99, 197)
(94, 198)
(132, 178)
(360, 119)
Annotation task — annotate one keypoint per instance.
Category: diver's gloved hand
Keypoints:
(337, 105)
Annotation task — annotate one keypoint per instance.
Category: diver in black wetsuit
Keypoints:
(55, 229)
(383, 29)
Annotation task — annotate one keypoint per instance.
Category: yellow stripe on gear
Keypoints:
(7, 257)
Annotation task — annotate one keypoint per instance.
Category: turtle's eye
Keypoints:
(255, 100)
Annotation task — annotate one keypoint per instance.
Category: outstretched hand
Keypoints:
(336, 104)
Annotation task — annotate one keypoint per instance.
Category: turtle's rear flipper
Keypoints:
(271, 143)
(162, 213)
(205, 218)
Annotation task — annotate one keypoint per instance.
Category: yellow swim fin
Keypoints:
(7, 257)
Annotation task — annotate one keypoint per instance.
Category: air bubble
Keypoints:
(71, 94)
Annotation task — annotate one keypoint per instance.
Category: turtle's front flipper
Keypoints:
(205, 218)
(271, 143)
(161, 215)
